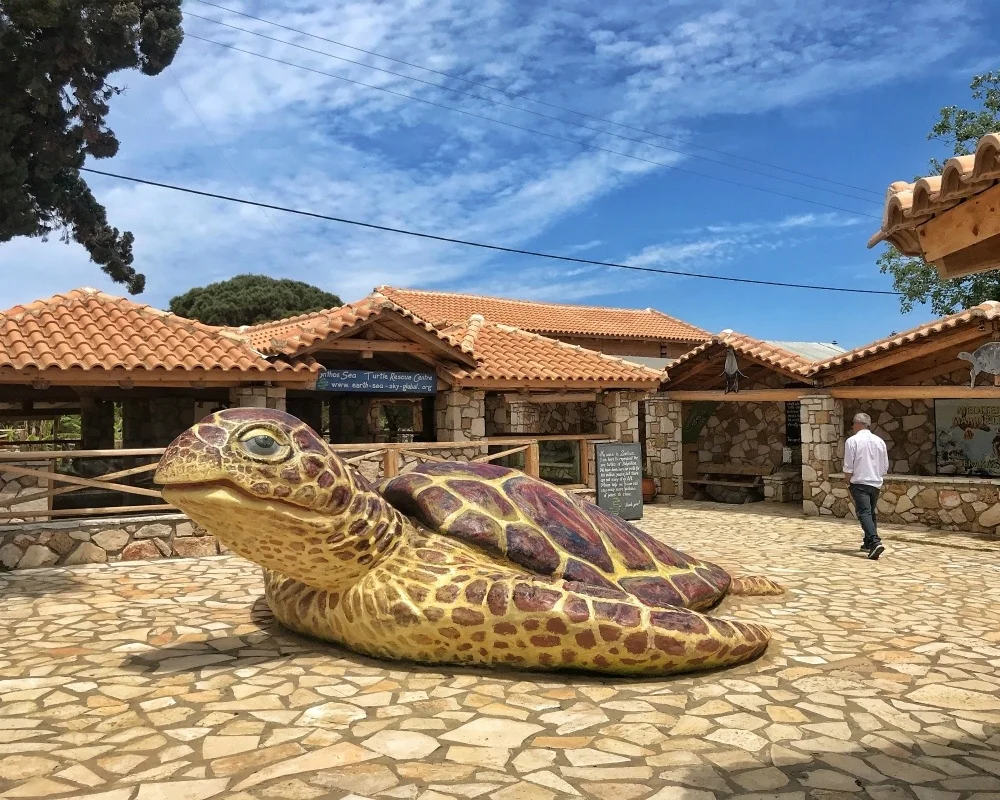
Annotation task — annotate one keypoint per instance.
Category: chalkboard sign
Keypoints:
(619, 479)
(793, 426)
(353, 380)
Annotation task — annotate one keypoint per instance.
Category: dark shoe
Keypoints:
(876, 551)
(866, 546)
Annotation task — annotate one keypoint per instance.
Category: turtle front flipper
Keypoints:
(755, 586)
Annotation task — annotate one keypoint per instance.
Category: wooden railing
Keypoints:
(47, 483)
(33, 445)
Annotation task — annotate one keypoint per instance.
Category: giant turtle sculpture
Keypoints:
(460, 563)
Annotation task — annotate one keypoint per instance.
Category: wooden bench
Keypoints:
(746, 479)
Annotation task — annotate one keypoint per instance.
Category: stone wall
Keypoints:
(947, 503)
(560, 418)
(907, 426)
(744, 433)
(56, 544)
(664, 456)
(616, 415)
(783, 487)
(13, 488)
(505, 418)
(258, 397)
(460, 415)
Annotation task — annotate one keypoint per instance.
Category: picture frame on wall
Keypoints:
(967, 437)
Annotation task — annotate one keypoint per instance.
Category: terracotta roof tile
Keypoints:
(758, 349)
(909, 205)
(292, 335)
(443, 308)
(508, 353)
(989, 310)
(88, 330)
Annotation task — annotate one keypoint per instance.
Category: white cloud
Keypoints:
(722, 243)
(308, 141)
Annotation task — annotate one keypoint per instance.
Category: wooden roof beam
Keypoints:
(898, 355)
(964, 239)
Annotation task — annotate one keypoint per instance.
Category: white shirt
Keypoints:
(865, 457)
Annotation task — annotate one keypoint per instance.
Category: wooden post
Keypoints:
(531, 460)
(390, 463)
(584, 446)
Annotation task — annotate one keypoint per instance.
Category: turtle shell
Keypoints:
(548, 531)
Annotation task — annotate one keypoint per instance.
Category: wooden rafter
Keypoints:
(898, 355)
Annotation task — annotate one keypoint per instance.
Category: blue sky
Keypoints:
(844, 90)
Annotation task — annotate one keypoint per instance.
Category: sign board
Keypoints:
(968, 437)
(696, 419)
(353, 380)
(619, 479)
(793, 423)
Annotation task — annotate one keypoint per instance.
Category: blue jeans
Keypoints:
(865, 503)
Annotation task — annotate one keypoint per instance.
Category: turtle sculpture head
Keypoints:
(273, 491)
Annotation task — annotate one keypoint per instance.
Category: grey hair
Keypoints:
(863, 419)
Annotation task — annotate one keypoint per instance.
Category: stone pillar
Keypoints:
(522, 418)
(460, 415)
(258, 397)
(822, 421)
(664, 445)
(618, 415)
(97, 423)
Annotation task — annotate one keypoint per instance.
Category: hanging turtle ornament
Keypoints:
(451, 562)
(732, 372)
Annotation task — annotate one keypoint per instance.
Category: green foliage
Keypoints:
(914, 278)
(249, 299)
(55, 63)
(962, 128)
(919, 282)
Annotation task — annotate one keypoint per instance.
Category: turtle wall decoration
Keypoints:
(451, 562)
(985, 359)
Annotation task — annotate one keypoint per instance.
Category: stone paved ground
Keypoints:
(169, 680)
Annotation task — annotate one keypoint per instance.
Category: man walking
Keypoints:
(865, 463)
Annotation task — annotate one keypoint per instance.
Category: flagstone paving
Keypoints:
(170, 681)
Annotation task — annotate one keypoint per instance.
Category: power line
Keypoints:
(481, 245)
(531, 99)
(232, 169)
(529, 111)
(496, 121)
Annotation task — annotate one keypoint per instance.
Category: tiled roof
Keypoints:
(88, 330)
(508, 353)
(765, 352)
(292, 335)
(909, 205)
(443, 308)
(989, 310)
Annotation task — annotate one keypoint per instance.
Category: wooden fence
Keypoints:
(30, 482)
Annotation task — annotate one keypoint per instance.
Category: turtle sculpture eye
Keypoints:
(261, 444)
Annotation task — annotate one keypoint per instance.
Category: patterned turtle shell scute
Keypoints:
(550, 532)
